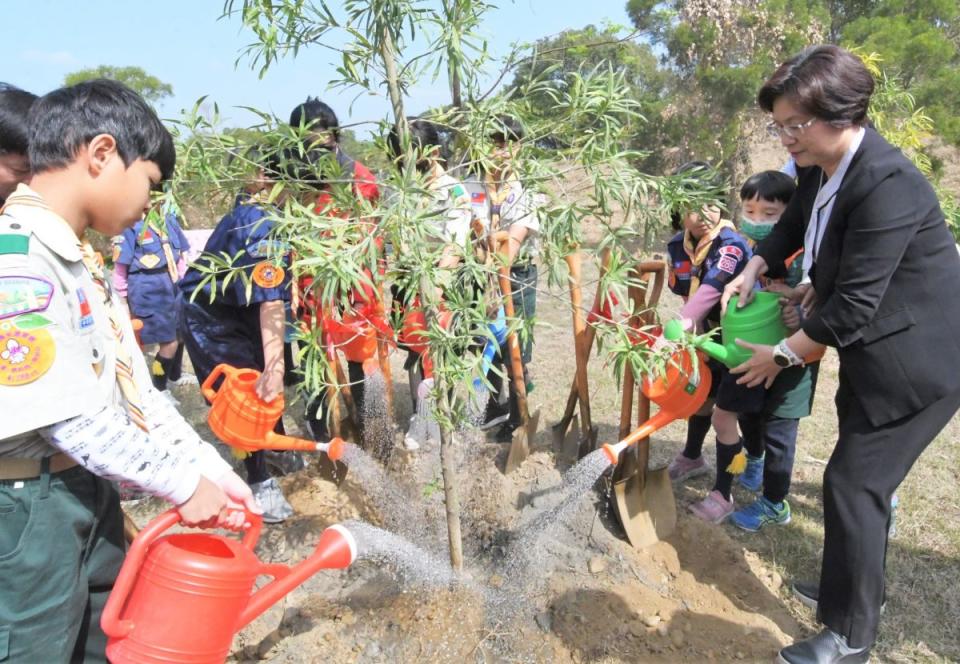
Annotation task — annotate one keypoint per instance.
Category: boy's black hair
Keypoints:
(507, 128)
(768, 186)
(14, 130)
(65, 120)
(423, 134)
(315, 116)
(703, 172)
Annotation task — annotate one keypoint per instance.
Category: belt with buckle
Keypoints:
(28, 469)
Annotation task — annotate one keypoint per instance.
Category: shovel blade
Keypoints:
(570, 443)
(519, 450)
(645, 506)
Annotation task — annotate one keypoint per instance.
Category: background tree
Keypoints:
(146, 85)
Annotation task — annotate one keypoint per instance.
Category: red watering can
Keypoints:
(243, 420)
(413, 332)
(680, 393)
(182, 597)
(355, 333)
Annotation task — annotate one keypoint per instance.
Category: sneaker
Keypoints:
(275, 507)
(682, 468)
(495, 414)
(759, 513)
(714, 508)
(284, 462)
(184, 379)
(751, 478)
(505, 433)
(411, 439)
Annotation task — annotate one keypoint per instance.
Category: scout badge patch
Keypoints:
(25, 354)
(149, 261)
(21, 295)
(268, 275)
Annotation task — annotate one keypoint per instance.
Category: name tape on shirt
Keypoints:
(25, 355)
(22, 295)
(267, 248)
(268, 275)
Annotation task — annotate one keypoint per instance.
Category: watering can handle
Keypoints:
(110, 619)
(207, 388)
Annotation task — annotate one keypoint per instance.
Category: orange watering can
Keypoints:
(680, 393)
(243, 420)
(355, 333)
(182, 597)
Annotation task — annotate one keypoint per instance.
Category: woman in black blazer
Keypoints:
(883, 269)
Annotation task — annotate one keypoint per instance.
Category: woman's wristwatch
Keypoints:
(783, 356)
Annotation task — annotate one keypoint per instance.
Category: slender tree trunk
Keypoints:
(451, 491)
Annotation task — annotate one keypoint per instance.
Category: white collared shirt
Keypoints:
(823, 204)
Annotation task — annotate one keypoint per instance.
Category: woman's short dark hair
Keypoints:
(316, 116)
(14, 131)
(769, 186)
(828, 82)
(65, 120)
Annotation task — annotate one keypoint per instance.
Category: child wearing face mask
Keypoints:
(770, 435)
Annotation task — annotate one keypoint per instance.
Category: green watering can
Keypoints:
(759, 323)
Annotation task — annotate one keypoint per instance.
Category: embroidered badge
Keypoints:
(478, 197)
(25, 355)
(149, 261)
(86, 315)
(21, 295)
(727, 264)
(268, 275)
(147, 237)
(511, 197)
(116, 252)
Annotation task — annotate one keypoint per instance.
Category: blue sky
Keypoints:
(183, 43)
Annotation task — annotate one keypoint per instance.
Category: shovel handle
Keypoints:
(516, 361)
(574, 264)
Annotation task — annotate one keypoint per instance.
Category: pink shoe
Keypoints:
(714, 508)
(682, 468)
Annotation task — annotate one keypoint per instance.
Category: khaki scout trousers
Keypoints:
(61, 547)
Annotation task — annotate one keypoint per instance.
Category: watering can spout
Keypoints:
(716, 351)
(336, 549)
(334, 449)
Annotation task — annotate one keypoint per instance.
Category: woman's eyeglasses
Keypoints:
(790, 131)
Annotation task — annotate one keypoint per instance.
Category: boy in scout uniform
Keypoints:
(511, 207)
(79, 408)
(148, 262)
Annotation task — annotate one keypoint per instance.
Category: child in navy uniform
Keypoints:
(225, 325)
(148, 263)
(705, 256)
(770, 436)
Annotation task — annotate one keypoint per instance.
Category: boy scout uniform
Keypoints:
(61, 536)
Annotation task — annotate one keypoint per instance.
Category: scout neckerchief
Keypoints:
(160, 227)
(131, 395)
(498, 191)
(698, 254)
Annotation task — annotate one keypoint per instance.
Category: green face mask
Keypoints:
(756, 230)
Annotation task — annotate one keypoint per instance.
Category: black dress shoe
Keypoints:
(827, 647)
(809, 595)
